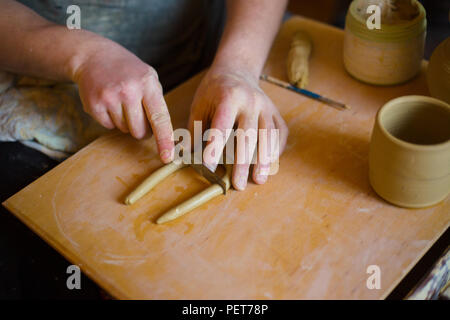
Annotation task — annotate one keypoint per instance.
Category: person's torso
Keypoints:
(177, 37)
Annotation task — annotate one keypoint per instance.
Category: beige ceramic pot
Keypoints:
(386, 56)
(409, 159)
(438, 73)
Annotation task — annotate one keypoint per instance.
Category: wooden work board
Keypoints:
(309, 233)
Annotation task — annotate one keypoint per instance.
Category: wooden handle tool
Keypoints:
(298, 59)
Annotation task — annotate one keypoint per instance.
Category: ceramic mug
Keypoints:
(409, 157)
(386, 56)
(438, 72)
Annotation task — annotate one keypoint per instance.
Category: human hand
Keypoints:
(120, 91)
(226, 97)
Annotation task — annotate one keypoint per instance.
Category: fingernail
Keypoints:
(261, 174)
(261, 178)
(166, 155)
(241, 183)
(211, 167)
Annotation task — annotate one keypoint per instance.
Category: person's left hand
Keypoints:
(226, 97)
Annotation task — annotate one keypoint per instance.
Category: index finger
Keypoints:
(158, 115)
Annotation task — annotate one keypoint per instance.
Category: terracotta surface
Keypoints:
(310, 232)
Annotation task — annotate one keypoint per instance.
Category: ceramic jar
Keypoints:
(386, 56)
(409, 157)
(438, 72)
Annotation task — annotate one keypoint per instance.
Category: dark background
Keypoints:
(31, 269)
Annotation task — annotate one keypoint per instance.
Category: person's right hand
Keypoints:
(119, 90)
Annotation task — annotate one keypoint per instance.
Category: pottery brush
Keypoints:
(307, 93)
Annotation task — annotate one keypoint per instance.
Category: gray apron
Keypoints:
(176, 37)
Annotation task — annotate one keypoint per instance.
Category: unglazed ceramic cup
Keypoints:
(438, 72)
(409, 157)
(386, 56)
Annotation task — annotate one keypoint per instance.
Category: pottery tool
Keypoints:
(209, 175)
(309, 94)
(298, 59)
(220, 185)
(199, 199)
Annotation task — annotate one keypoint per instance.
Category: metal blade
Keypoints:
(209, 175)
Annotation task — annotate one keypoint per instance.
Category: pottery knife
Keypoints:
(209, 175)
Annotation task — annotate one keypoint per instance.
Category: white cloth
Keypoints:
(44, 113)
